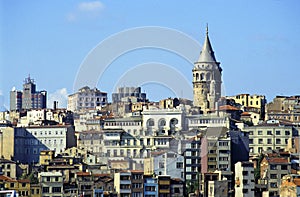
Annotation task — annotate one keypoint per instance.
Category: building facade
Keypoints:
(51, 184)
(244, 179)
(24, 144)
(86, 98)
(268, 136)
(133, 93)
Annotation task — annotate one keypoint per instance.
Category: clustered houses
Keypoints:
(212, 146)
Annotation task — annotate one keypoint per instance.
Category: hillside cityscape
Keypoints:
(237, 146)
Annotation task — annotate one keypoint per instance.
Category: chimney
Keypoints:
(55, 104)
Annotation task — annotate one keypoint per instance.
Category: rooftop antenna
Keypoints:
(206, 28)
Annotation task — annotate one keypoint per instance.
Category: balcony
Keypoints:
(125, 182)
(166, 182)
(164, 191)
(125, 191)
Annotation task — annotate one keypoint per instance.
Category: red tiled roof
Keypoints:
(101, 175)
(6, 178)
(83, 173)
(228, 107)
(297, 181)
(277, 160)
(246, 114)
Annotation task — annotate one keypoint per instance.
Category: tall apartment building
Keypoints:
(30, 98)
(133, 93)
(192, 163)
(129, 183)
(86, 98)
(268, 136)
(273, 169)
(150, 186)
(244, 179)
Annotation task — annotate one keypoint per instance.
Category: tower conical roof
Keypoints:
(207, 53)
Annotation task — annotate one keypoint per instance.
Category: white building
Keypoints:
(203, 121)
(162, 121)
(268, 136)
(51, 184)
(244, 179)
(86, 98)
(132, 125)
(29, 141)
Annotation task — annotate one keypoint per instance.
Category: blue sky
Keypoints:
(257, 42)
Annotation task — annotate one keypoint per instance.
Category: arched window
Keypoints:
(197, 76)
(150, 122)
(173, 123)
(201, 76)
(162, 122)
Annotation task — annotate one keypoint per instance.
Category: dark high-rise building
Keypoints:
(29, 98)
(15, 100)
(127, 92)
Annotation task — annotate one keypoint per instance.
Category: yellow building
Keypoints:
(252, 103)
(247, 100)
(21, 186)
(7, 143)
(46, 156)
(289, 186)
(35, 190)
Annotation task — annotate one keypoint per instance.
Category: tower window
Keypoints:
(202, 76)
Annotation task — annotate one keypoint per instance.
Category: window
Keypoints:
(259, 132)
(273, 185)
(161, 164)
(278, 132)
(56, 189)
(278, 141)
(287, 132)
(273, 176)
(269, 132)
(250, 132)
(250, 141)
(269, 141)
(45, 189)
(284, 167)
(260, 141)
(179, 165)
(273, 167)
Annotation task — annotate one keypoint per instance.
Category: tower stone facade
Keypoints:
(207, 78)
